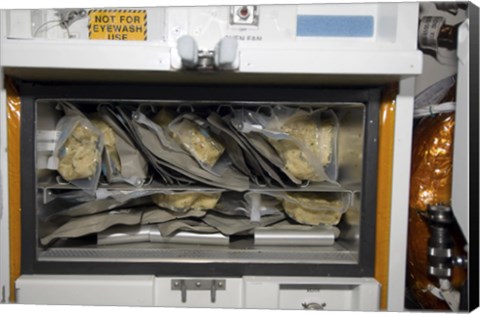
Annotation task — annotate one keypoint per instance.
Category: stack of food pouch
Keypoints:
(213, 211)
(225, 171)
(286, 147)
(300, 143)
(88, 147)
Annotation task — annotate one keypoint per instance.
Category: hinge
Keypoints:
(211, 285)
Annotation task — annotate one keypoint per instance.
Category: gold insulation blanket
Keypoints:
(13, 137)
(431, 182)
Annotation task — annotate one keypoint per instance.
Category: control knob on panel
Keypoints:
(188, 51)
(226, 54)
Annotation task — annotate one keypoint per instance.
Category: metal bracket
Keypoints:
(199, 285)
(205, 60)
(313, 306)
(70, 16)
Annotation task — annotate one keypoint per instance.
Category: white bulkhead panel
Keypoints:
(320, 39)
(247, 292)
(85, 290)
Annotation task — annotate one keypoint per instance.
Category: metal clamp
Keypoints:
(70, 16)
(440, 243)
(313, 306)
(211, 285)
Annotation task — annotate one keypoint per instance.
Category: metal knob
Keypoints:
(188, 51)
(226, 54)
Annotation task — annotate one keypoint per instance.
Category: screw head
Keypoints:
(198, 284)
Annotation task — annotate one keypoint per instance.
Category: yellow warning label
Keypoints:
(117, 24)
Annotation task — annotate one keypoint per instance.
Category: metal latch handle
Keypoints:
(212, 285)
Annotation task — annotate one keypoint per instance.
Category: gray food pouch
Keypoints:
(264, 163)
(68, 196)
(81, 226)
(124, 235)
(251, 204)
(151, 233)
(292, 225)
(190, 237)
(161, 133)
(270, 172)
(124, 162)
(266, 150)
(105, 200)
(169, 228)
(247, 121)
(255, 171)
(261, 205)
(229, 225)
(124, 120)
(184, 163)
(232, 204)
(156, 215)
(234, 150)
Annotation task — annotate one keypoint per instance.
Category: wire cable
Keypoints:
(59, 23)
(43, 25)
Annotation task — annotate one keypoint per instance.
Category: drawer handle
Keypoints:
(313, 306)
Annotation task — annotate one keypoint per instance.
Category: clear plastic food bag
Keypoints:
(309, 152)
(315, 208)
(111, 161)
(78, 150)
(182, 201)
(192, 133)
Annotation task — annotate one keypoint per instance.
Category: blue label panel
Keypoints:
(334, 25)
